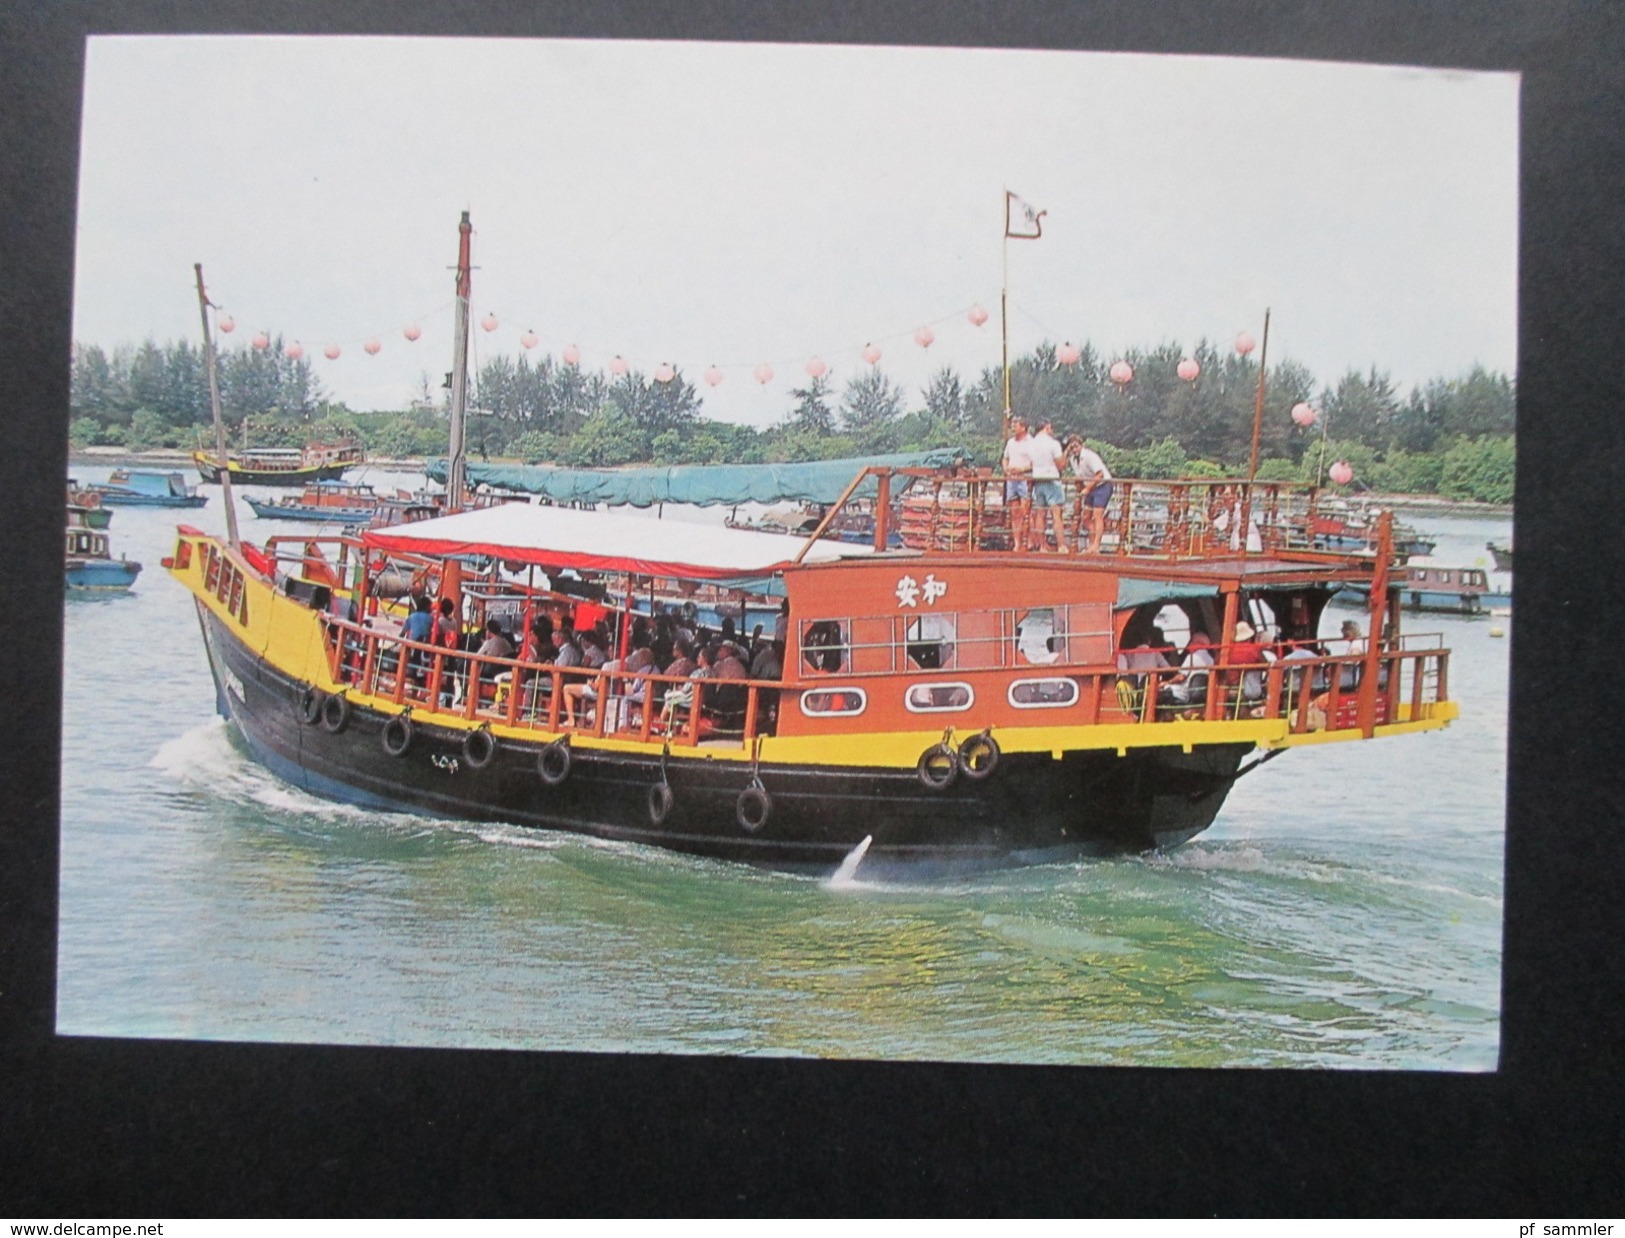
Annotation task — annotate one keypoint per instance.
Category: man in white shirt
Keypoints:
(1097, 490)
(1046, 455)
(1018, 469)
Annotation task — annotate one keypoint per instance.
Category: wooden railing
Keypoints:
(629, 704)
(966, 509)
(1312, 693)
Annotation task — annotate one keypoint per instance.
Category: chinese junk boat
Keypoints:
(956, 704)
(282, 466)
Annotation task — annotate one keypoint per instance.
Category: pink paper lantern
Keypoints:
(871, 354)
(977, 315)
(489, 322)
(571, 355)
(529, 340)
(261, 341)
(373, 346)
(1068, 354)
(1303, 414)
(764, 373)
(713, 376)
(618, 365)
(1341, 473)
(413, 331)
(331, 352)
(1122, 372)
(1188, 369)
(925, 337)
(1245, 343)
(816, 367)
(664, 373)
(295, 350)
(226, 323)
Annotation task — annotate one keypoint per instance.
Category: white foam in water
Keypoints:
(846, 874)
(204, 757)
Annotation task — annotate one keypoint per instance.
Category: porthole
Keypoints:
(939, 698)
(833, 702)
(1043, 693)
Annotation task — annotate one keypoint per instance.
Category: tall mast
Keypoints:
(455, 480)
(214, 404)
(1004, 318)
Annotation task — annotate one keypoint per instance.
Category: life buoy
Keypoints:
(397, 735)
(938, 767)
(478, 748)
(553, 762)
(335, 714)
(979, 756)
(310, 706)
(753, 808)
(660, 802)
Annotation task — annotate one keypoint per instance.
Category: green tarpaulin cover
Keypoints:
(704, 485)
(1132, 592)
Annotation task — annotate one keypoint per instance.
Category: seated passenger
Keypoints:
(1189, 687)
(1247, 651)
(495, 645)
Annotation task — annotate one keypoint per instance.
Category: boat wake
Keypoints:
(205, 759)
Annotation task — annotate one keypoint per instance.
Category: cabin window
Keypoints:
(1089, 634)
(183, 554)
(1043, 693)
(824, 647)
(235, 603)
(1038, 637)
(833, 702)
(211, 568)
(929, 641)
(938, 698)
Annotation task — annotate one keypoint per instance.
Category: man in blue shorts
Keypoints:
(1046, 455)
(1097, 489)
(1018, 469)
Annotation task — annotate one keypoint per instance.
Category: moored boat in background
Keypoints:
(1443, 590)
(282, 466)
(88, 505)
(333, 502)
(146, 488)
(89, 563)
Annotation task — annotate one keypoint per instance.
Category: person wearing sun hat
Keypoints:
(1246, 650)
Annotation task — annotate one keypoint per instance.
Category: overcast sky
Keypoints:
(730, 204)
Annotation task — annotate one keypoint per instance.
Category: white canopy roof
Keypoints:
(604, 541)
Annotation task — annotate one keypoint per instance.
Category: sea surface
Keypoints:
(1343, 911)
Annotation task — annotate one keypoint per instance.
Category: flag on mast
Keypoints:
(1022, 221)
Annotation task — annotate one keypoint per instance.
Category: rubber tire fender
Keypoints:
(938, 767)
(553, 762)
(660, 802)
(400, 725)
(335, 714)
(754, 808)
(988, 747)
(310, 706)
(480, 741)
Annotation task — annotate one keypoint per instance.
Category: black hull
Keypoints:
(1031, 809)
(286, 477)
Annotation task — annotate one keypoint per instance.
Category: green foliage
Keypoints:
(1449, 435)
(1480, 469)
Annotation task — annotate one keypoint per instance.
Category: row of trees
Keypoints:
(1450, 436)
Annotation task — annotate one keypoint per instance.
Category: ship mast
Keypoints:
(455, 481)
(214, 404)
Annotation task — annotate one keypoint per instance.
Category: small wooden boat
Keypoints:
(1356, 530)
(327, 502)
(1444, 590)
(89, 564)
(282, 466)
(1501, 554)
(138, 488)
